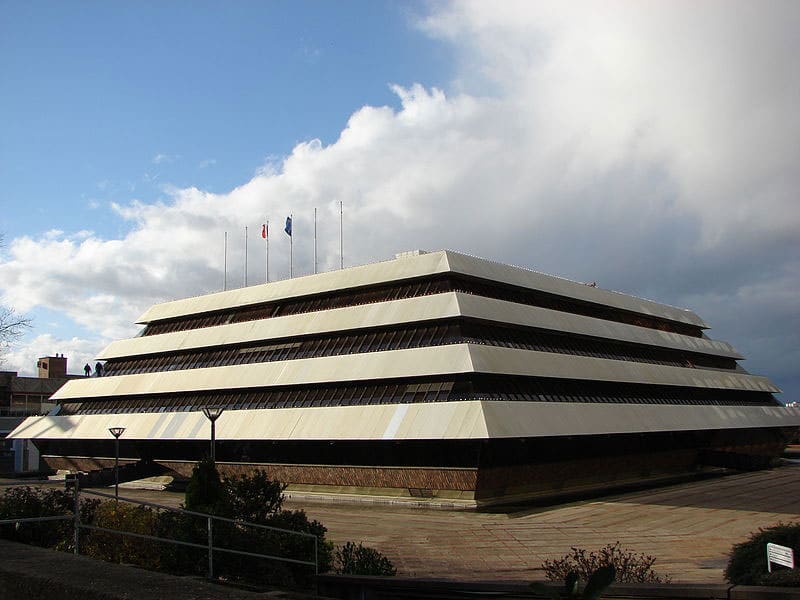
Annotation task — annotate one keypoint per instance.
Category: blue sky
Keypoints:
(651, 147)
(113, 101)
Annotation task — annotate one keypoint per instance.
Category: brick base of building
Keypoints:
(467, 487)
(479, 472)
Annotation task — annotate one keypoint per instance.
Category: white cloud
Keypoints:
(79, 352)
(704, 91)
(160, 158)
(649, 147)
(207, 162)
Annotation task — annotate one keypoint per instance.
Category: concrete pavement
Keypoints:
(690, 528)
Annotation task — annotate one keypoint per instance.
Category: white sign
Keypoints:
(780, 555)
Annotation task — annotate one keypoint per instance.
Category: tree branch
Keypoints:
(12, 325)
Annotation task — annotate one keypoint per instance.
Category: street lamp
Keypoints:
(116, 432)
(213, 413)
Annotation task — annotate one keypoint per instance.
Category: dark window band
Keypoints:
(404, 337)
(440, 389)
(402, 290)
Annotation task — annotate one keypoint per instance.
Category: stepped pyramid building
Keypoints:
(434, 375)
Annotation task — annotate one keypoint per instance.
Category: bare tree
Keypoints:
(12, 325)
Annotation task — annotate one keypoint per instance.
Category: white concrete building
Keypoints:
(433, 375)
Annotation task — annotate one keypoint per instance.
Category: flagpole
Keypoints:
(315, 240)
(245, 256)
(291, 240)
(266, 231)
(341, 240)
(225, 263)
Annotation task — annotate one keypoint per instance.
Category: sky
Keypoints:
(652, 147)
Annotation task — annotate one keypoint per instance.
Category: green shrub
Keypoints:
(629, 567)
(597, 583)
(119, 548)
(782, 578)
(254, 497)
(747, 564)
(177, 559)
(29, 502)
(299, 547)
(274, 543)
(204, 493)
(352, 559)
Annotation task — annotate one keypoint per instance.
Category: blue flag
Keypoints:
(288, 228)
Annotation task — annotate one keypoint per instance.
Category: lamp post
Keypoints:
(116, 432)
(213, 413)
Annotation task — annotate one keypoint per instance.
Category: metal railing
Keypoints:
(209, 547)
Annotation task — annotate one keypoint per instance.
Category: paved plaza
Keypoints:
(690, 528)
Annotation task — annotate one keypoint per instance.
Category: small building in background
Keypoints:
(21, 397)
(52, 367)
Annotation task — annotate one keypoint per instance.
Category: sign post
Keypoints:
(780, 555)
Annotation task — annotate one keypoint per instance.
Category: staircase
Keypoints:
(127, 472)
